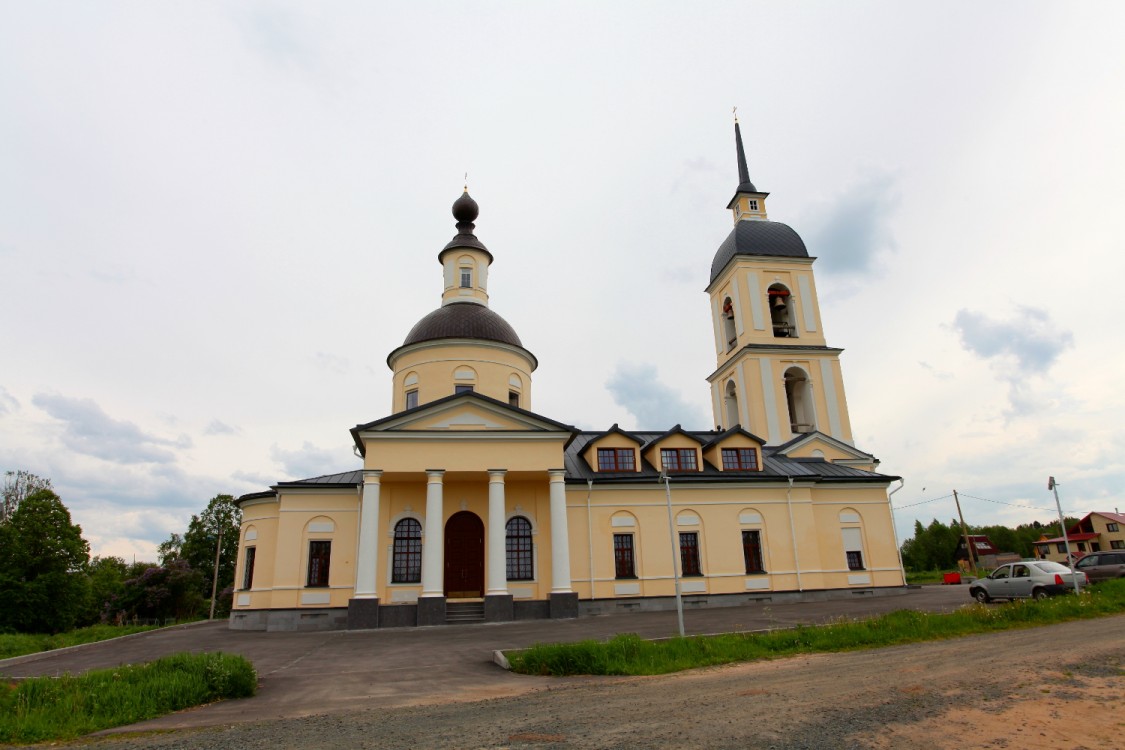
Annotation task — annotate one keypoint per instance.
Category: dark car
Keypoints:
(1034, 579)
(1101, 566)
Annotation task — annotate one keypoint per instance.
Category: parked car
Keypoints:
(1030, 579)
(1101, 566)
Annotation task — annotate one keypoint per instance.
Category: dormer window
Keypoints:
(617, 459)
(676, 460)
(740, 459)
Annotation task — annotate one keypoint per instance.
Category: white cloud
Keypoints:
(309, 461)
(8, 404)
(90, 431)
(215, 427)
(654, 405)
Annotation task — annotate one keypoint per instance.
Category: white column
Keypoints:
(367, 559)
(560, 537)
(433, 543)
(497, 536)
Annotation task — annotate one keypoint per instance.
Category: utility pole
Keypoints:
(965, 533)
(1054, 486)
(215, 578)
(675, 553)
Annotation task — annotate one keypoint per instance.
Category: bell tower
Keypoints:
(776, 376)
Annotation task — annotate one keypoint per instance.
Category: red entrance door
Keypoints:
(464, 556)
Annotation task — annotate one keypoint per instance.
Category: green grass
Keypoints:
(46, 708)
(628, 654)
(18, 644)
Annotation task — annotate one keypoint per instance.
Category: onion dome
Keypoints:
(465, 211)
(463, 320)
(769, 238)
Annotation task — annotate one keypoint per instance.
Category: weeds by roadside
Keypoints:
(46, 708)
(18, 644)
(628, 654)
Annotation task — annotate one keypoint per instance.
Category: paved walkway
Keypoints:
(318, 673)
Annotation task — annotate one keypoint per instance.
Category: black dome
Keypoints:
(758, 238)
(463, 320)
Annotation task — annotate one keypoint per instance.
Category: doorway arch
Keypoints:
(464, 556)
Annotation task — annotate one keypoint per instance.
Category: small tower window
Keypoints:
(753, 202)
(781, 312)
(731, 400)
(730, 336)
(513, 399)
(466, 278)
(798, 396)
(412, 399)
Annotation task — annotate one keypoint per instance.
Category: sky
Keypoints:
(218, 218)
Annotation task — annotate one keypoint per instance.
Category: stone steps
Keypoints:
(461, 613)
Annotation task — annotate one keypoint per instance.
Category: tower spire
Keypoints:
(744, 184)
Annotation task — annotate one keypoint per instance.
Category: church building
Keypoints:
(471, 506)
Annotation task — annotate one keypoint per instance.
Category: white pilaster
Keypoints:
(433, 543)
(497, 536)
(560, 537)
(367, 559)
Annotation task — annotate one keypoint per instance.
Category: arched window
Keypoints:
(730, 399)
(781, 312)
(464, 379)
(407, 562)
(520, 565)
(730, 336)
(465, 266)
(798, 396)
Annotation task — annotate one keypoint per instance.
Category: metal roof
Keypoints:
(758, 237)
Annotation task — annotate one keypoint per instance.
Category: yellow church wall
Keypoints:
(476, 262)
(475, 454)
(261, 517)
(435, 365)
(738, 281)
(297, 510)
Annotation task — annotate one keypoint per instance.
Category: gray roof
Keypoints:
(775, 466)
(463, 320)
(753, 237)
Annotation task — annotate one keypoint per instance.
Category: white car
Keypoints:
(1031, 579)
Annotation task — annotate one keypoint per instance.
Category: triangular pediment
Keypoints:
(466, 413)
(819, 445)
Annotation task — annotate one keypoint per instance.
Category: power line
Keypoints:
(923, 502)
(1014, 505)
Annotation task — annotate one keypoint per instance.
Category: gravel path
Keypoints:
(1051, 687)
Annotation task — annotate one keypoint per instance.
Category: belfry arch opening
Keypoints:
(798, 396)
(781, 312)
(730, 335)
(730, 402)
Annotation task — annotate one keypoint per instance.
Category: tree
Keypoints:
(107, 576)
(17, 486)
(170, 549)
(210, 535)
(43, 557)
(161, 593)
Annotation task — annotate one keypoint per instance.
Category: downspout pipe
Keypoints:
(793, 532)
(590, 535)
(894, 528)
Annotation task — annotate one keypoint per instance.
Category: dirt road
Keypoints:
(1054, 687)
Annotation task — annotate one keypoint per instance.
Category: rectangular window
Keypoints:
(678, 459)
(513, 399)
(623, 556)
(1111, 527)
(248, 569)
(466, 278)
(617, 459)
(462, 389)
(1060, 547)
(411, 399)
(689, 554)
(1081, 546)
(320, 554)
(739, 458)
(752, 551)
(853, 546)
(753, 204)
(1117, 544)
